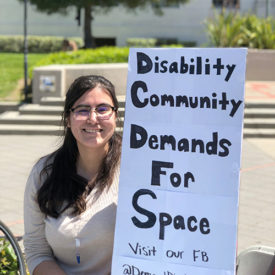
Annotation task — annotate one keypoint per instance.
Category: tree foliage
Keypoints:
(92, 6)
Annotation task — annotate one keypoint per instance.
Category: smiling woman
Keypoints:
(71, 194)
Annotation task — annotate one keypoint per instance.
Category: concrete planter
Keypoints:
(260, 65)
(54, 80)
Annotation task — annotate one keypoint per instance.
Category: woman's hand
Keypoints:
(48, 268)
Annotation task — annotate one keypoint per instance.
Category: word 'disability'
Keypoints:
(195, 66)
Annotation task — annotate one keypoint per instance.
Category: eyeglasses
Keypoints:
(83, 112)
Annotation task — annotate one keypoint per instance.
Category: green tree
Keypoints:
(92, 6)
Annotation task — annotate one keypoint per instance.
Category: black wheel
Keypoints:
(17, 250)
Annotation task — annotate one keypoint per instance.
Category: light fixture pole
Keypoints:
(266, 8)
(25, 52)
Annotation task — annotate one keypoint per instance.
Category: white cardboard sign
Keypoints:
(179, 181)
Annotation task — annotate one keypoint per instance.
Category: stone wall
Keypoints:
(260, 65)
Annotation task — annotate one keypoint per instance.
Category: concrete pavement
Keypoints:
(257, 194)
(18, 155)
(260, 91)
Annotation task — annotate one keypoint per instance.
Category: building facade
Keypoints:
(181, 23)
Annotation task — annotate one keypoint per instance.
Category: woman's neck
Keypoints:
(89, 161)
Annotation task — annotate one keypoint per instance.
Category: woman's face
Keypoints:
(89, 130)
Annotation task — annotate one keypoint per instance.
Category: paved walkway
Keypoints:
(256, 91)
(257, 189)
(257, 194)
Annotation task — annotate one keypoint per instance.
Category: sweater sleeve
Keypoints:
(36, 246)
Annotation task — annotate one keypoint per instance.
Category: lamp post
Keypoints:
(25, 52)
(266, 8)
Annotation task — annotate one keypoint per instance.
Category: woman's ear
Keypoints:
(68, 122)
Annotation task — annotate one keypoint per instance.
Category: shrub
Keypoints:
(11, 44)
(158, 42)
(224, 30)
(259, 33)
(172, 46)
(234, 30)
(87, 56)
(36, 44)
(8, 259)
(189, 43)
(142, 42)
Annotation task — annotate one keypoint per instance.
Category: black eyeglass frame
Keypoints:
(114, 109)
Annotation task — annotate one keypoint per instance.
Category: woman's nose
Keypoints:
(92, 116)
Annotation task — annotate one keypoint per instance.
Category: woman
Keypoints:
(71, 194)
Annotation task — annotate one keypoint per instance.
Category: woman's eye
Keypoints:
(102, 109)
(83, 111)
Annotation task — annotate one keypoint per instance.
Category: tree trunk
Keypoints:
(88, 37)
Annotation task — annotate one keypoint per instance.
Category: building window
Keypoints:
(166, 4)
(226, 3)
(105, 41)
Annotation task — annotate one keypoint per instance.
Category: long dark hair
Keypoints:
(61, 187)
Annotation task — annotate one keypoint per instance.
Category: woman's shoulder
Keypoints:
(35, 175)
(43, 162)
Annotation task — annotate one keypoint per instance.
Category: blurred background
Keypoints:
(44, 44)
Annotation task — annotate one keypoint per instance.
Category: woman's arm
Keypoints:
(37, 250)
(48, 268)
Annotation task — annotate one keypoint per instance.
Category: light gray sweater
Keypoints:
(79, 244)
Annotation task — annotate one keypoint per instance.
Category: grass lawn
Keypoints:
(12, 74)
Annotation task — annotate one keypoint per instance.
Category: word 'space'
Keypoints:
(195, 66)
(165, 220)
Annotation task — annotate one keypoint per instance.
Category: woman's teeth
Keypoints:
(92, 130)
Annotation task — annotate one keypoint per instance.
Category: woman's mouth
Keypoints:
(92, 130)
